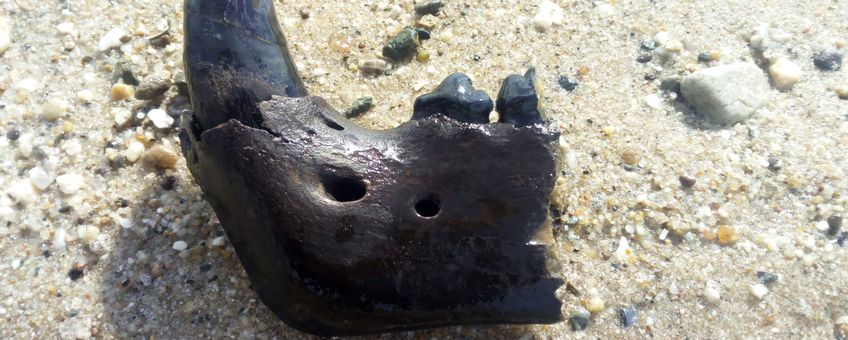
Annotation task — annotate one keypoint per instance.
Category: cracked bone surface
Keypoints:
(345, 230)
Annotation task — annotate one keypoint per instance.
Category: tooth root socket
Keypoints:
(456, 98)
(518, 100)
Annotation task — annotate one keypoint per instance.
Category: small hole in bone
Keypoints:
(333, 125)
(344, 189)
(428, 206)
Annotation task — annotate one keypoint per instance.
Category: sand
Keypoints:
(126, 249)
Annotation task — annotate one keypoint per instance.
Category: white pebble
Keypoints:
(40, 178)
(160, 118)
(69, 184)
(624, 254)
(843, 320)
(785, 73)
(822, 225)
(711, 293)
(89, 234)
(22, 191)
(549, 14)
(654, 101)
(5, 33)
(121, 116)
(134, 151)
(219, 241)
(111, 39)
(60, 239)
(66, 28)
(180, 246)
(759, 290)
(85, 96)
(26, 85)
(53, 109)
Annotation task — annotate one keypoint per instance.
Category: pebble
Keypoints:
(40, 178)
(431, 7)
(631, 156)
(645, 58)
(160, 119)
(711, 293)
(85, 96)
(726, 234)
(704, 57)
(579, 319)
(22, 191)
(726, 94)
(60, 240)
(785, 73)
(121, 117)
(75, 274)
(567, 83)
(373, 66)
(111, 39)
(5, 33)
(69, 183)
(161, 156)
(758, 290)
(774, 164)
(152, 86)
(834, 224)
(649, 44)
(766, 278)
(549, 14)
(828, 60)
(403, 45)
(54, 108)
(627, 316)
(624, 253)
(594, 305)
(121, 92)
(180, 246)
(687, 182)
(134, 151)
(360, 106)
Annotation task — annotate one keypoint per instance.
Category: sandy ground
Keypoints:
(101, 262)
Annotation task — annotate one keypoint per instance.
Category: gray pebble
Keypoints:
(766, 278)
(360, 106)
(403, 45)
(828, 60)
(579, 320)
(373, 66)
(774, 164)
(432, 7)
(152, 86)
(687, 182)
(726, 94)
(834, 225)
(627, 317)
(649, 44)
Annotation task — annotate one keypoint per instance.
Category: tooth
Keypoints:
(456, 98)
(518, 100)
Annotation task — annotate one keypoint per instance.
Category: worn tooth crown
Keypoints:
(344, 230)
(456, 98)
(518, 100)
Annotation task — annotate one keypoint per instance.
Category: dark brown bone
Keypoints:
(344, 230)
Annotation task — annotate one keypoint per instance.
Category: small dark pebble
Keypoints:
(704, 57)
(75, 274)
(476, 57)
(360, 106)
(161, 41)
(423, 34)
(774, 164)
(645, 58)
(13, 134)
(567, 83)
(687, 182)
(828, 60)
(124, 203)
(627, 316)
(834, 225)
(123, 71)
(571, 289)
(766, 278)
(651, 77)
(304, 13)
(579, 322)
(841, 239)
(65, 209)
(403, 45)
(205, 267)
(46, 254)
(649, 44)
(118, 162)
(432, 7)
(169, 183)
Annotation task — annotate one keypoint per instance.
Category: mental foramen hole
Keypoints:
(428, 206)
(344, 189)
